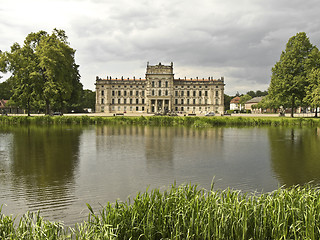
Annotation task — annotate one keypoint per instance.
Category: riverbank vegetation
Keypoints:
(187, 212)
(198, 122)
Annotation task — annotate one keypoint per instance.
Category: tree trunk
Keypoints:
(28, 108)
(47, 107)
(316, 114)
(292, 107)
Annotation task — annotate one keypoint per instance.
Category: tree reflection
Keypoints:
(44, 160)
(294, 155)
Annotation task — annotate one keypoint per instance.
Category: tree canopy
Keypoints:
(44, 74)
(289, 75)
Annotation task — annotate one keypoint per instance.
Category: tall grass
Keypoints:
(161, 121)
(187, 212)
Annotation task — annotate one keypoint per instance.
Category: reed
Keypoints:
(198, 122)
(187, 212)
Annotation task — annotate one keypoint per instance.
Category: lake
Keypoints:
(58, 169)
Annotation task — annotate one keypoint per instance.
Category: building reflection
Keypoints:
(295, 155)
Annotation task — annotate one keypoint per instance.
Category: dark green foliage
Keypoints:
(290, 73)
(44, 73)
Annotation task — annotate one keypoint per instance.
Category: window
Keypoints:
(137, 93)
(176, 108)
(125, 101)
(200, 93)
(181, 101)
(217, 101)
(143, 101)
(143, 93)
(176, 101)
(119, 93)
(125, 93)
(152, 93)
(194, 101)
(206, 93)
(188, 101)
(137, 108)
(194, 93)
(182, 93)
(182, 109)
(166, 92)
(131, 93)
(102, 93)
(188, 93)
(159, 93)
(200, 101)
(206, 101)
(119, 101)
(112, 101)
(152, 83)
(130, 100)
(176, 93)
(166, 83)
(137, 101)
(102, 101)
(159, 83)
(112, 93)
(217, 93)
(142, 108)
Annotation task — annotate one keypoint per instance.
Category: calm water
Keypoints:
(59, 169)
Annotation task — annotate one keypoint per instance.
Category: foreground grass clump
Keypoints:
(187, 212)
(198, 122)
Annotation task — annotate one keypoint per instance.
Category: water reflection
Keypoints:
(59, 169)
(295, 155)
(41, 163)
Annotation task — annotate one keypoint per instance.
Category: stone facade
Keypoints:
(159, 92)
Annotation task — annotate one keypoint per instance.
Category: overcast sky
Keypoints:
(238, 39)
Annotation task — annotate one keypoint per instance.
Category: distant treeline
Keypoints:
(198, 122)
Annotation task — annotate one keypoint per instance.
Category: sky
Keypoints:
(240, 40)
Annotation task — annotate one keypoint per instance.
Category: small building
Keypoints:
(235, 103)
(248, 105)
(3, 107)
(159, 92)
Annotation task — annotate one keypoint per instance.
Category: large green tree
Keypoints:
(44, 72)
(312, 97)
(289, 75)
(313, 89)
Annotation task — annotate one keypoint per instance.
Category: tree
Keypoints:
(313, 89)
(244, 99)
(227, 100)
(5, 90)
(288, 80)
(89, 99)
(313, 86)
(44, 72)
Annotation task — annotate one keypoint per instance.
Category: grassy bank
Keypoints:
(199, 122)
(187, 212)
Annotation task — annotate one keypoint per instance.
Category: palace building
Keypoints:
(159, 92)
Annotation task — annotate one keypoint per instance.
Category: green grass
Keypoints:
(186, 212)
(199, 122)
